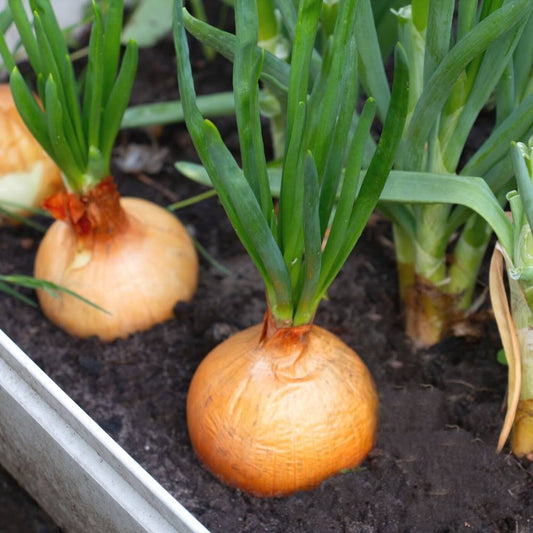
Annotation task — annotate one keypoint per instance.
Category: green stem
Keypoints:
(420, 13)
(467, 258)
(329, 17)
(526, 338)
(405, 258)
(192, 200)
(430, 245)
(414, 43)
(268, 24)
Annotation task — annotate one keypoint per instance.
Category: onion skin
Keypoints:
(27, 174)
(138, 272)
(276, 415)
(522, 435)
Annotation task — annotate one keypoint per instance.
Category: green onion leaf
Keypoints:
(371, 66)
(232, 187)
(312, 243)
(348, 192)
(160, 113)
(26, 34)
(225, 43)
(112, 27)
(30, 111)
(520, 153)
(56, 133)
(51, 288)
(4, 287)
(118, 101)
(419, 187)
(245, 82)
(55, 70)
(92, 103)
(438, 87)
(378, 169)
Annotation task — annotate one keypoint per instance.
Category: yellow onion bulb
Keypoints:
(137, 274)
(279, 415)
(27, 174)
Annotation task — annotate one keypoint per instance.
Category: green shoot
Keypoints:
(290, 246)
(29, 282)
(77, 125)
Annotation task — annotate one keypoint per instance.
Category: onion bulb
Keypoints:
(129, 256)
(27, 174)
(274, 411)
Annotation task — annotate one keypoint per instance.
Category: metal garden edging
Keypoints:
(79, 475)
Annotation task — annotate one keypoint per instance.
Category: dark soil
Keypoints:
(434, 467)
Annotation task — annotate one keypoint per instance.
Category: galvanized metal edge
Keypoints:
(82, 478)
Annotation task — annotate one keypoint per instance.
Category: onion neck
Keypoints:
(272, 328)
(94, 216)
(287, 350)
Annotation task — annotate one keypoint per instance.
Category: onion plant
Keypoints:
(515, 248)
(486, 60)
(128, 256)
(516, 324)
(439, 248)
(283, 405)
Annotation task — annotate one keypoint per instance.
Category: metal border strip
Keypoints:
(79, 475)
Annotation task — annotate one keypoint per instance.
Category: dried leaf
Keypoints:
(509, 338)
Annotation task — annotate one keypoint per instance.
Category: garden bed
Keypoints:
(434, 467)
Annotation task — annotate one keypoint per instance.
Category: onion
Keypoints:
(273, 411)
(27, 174)
(129, 256)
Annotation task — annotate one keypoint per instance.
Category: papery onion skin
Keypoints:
(276, 417)
(27, 173)
(138, 275)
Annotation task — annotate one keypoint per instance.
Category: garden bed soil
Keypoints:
(434, 466)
